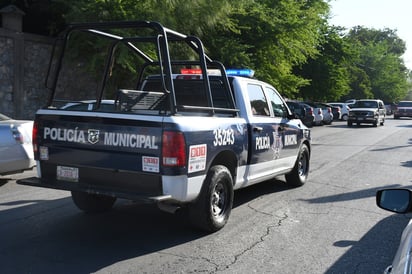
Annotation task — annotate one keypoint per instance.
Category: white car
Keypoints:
(367, 111)
(344, 109)
(319, 114)
(399, 201)
(16, 149)
(327, 113)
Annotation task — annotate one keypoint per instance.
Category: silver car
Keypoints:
(16, 150)
(399, 201)
(344, 108)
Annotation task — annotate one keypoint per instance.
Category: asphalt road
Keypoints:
(330, 225)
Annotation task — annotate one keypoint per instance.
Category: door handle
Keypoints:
(257, 129)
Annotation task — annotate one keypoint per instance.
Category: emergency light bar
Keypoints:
(234, 72)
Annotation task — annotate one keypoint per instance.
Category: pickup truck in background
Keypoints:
(164, 124)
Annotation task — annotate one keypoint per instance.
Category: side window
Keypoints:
(258, 101)
(279, 109)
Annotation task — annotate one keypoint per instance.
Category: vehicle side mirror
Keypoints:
(394, 200)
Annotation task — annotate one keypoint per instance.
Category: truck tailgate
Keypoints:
(100, 152)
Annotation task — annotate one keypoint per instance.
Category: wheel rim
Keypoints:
(219, 200)
(302, 165)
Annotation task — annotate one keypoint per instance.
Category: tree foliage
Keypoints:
(271, 37)
(289, 43)
(380, 58)
(328, 72)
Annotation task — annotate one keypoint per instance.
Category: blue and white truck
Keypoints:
(163, 124)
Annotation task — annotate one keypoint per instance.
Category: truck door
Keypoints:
(265, 138)
(289, 133)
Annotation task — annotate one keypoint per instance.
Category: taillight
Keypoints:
(310, 111)
(34, 136)
(329, 110)
(173, 149)
(319, 111)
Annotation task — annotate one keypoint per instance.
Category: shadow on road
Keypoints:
(350, 196)
(55, 237)
(381, 242)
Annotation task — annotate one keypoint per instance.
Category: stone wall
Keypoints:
(6, 75)
(24, 60)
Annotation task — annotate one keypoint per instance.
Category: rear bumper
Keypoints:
(16, 166)
(70, 186)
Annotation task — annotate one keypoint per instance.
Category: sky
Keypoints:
(377, 14)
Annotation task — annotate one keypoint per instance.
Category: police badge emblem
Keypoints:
(93, 136)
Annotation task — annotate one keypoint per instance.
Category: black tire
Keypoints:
(300, 172)
(349, 124)
(212, 209)
(92, 203)
(376, 122)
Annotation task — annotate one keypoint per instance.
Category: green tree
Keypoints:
(268, 36)
(329, 71)
(271, 37)
(192, 17)
(380, 58)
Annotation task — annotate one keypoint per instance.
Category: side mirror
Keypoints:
(394, 200)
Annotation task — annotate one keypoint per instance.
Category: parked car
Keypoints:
(399, 201)
(367, 111)
(303, 111)
(350, 101)
(403, 109)
(344, 109)
(329, 111)
(337, 114)
(326, 112)
(390, 107)
(16, 150)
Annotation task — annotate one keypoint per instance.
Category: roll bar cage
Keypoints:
(160, 36)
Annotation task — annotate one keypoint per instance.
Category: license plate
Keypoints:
(66, 173)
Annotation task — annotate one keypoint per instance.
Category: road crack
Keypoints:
(261, 239)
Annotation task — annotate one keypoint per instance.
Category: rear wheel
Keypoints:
(92, 203)
(300, 172)
(344, 117)
(213, 207)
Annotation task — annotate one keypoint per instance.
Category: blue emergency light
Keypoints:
(241, 72)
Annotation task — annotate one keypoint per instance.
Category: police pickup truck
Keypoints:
(159, 121)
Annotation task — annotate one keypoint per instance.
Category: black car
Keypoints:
(303, 111)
